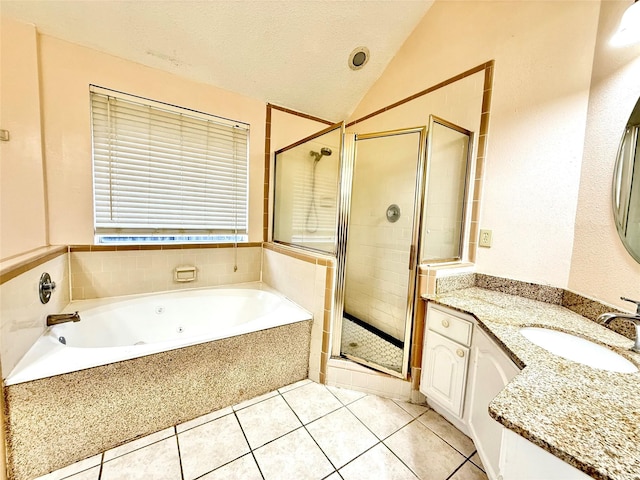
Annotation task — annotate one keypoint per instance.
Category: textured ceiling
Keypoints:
(292, 53)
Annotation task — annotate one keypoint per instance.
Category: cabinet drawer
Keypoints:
(452, 327)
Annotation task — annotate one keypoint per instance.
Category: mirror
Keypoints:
(626, 186)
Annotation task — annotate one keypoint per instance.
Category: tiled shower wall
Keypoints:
(377, 274)
(97, 273)
(22, 315)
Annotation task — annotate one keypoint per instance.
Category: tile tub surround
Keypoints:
(307, 279)
(587, 417)
(303, 431)
(22, 315)
(59, 420)
(98, 271)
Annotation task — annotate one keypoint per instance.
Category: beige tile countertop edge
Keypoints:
(589, 418)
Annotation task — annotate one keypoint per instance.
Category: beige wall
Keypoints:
(22, 198)
(543, 54)
(67, 71)
(287, 128)
(601, 267)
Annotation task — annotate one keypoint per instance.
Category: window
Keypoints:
(166, 174)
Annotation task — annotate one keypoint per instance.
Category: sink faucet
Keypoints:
(62, 318)
(607, 318)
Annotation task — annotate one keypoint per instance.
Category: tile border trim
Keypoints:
(31, 261)
(305, 256)
(182, 246)
(42, 255)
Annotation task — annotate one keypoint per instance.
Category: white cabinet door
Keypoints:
(522, 460)
(490, 372)
(444, 372)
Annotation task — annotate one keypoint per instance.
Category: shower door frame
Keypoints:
(324, 131)
(466, 207)
(349, 151)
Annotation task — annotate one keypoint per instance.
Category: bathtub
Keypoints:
(122, 328)
(140, 364)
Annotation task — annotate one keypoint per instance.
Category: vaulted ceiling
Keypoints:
(292, 53)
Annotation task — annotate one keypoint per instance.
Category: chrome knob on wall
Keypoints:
(393, 213)
(46, 287)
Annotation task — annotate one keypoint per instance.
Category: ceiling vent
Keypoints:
(358, 58)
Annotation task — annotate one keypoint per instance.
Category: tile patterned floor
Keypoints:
(361, 343)
(302, 431)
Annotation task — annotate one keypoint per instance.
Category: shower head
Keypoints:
(324, 152)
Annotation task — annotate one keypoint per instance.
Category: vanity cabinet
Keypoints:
(491, 370)
(522, 460)
(446, 359)
(463, 370)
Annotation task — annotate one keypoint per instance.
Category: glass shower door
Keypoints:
(379, 280)
(306, 191)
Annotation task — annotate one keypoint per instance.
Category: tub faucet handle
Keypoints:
(637, 302)
(45, 287)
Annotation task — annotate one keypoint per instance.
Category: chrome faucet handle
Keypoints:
(46, 286)
(637, 302)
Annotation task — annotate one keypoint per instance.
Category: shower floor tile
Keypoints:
(303, 431)
(359, 342)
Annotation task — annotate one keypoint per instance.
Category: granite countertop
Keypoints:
(589, 418)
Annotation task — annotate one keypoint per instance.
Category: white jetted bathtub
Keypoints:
(121, 328)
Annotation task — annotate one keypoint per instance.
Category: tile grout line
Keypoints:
(481, 468)
(358, 456)
(335, 470)
(175, 432)
(253, 455)
(101, 466)
(135, 449)
(448, 442)
(414, 419)
(457, 469)
(381, 441)
(394, 453)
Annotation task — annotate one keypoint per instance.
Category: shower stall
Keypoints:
(382, 203)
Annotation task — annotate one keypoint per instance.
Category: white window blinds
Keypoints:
(160, 169)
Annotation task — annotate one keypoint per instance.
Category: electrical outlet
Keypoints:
(485, 238)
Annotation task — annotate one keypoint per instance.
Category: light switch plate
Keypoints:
(4, 135)
(485, 238)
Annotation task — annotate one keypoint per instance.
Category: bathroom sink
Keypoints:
(578, 349)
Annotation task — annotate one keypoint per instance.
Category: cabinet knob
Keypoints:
(445, 323)
(460, 352)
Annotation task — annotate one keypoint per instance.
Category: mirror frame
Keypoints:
(626, 162)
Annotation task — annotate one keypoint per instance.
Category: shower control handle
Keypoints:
(393, 213)
(46, 286)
